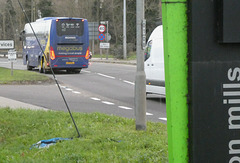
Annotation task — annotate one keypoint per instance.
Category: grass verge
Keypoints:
(102, 56)
(21, 77)
(104, 138)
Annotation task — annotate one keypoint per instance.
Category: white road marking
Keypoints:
(68, 89)
(124, 107)
(148, 113)
(164, 119)
(95, 99)
(108, 103)
(86, 71)
(62, 86)
(128, 82)
(76, 92)
(111, 77)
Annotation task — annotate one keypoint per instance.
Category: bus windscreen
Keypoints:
(70, 27)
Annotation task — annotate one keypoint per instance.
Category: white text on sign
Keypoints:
(6, 44)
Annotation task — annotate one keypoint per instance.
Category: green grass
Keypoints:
(102, 56)
(132, 56)
(104, 138)
(20, 76)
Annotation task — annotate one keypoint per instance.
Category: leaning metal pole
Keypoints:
(54, 77)
(140, 81)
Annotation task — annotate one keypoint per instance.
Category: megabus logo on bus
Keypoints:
(69, 48)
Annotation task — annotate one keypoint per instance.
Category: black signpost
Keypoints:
(214, 75)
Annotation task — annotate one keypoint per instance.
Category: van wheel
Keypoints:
(28, 66)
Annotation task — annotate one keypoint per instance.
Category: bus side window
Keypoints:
(148, 50)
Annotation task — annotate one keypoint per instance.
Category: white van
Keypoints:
(154, 63)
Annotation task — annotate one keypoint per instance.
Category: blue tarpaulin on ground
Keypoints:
(47, 143)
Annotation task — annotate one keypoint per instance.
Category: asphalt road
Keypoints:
(103, 87)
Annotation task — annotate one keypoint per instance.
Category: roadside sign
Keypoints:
(108, 37)
(104, 45)
(12, 55)
(6, 44)
(101, 28)
(103, 22)
(93, 30)
(101, 37)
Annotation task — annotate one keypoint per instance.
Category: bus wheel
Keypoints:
(77, 71)
(28, 66)
(40, 67)
(43, 67)
(69, 70)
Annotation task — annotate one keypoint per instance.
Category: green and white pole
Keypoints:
(174, 15)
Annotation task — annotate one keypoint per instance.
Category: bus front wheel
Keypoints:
(40, 67)
(44, 68)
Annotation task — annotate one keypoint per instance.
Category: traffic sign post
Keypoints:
(6, 44)
(12, 57)
(101, 37)
(101, 28)
(9, 44)
(108, 37)
(104, 45)
(103, 22)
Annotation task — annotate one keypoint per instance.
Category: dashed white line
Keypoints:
(95, 99)
(76, 92)
(128, 82)
(124, 107)
(62, 86)
(111, 77)
(108, 103)
(86, 71)
(69, 89)
(148, 113)
(164, 119)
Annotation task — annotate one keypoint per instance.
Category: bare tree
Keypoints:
(112, 11)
